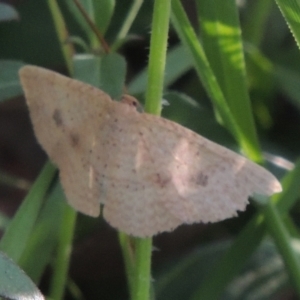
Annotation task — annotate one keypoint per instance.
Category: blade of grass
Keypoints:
(290, 9)
(221, 36)
(127, 247)
(62, 259)
(131, 15)
(62, 33)
(44, 236)
(205, 73)
(18, 232)
(103, 12)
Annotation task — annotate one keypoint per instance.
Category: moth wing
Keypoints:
(174, 176)
(202, 181)
(66, 114)
(125, 178)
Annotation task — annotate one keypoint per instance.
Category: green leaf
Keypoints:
(112, 74)
(103, 11)
(87, 68)
(9, 79)
(209, 81)
(78, 15)
(44, 236)
(290, 9)
(20, 228)
(14, 283)
(8, 13)
(221, 36)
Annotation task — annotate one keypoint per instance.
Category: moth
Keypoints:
(151, 174)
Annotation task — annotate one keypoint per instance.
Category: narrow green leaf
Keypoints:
(20, 228)
(209, 81)
(87, 68)
(62, 33)
(221, 36)
(78, 16)
(112, 74)
(103, 11)
(40, 247)
(291, 12)
(63, 253)
(14, 283)
(131, 15)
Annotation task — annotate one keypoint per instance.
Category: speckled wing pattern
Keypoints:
(150, 173)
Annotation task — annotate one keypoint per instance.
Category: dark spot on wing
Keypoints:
(160, 181)
(202, 179)
(57, 117)
(74, 139)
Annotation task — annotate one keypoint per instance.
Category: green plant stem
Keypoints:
(157, 56)
(100, 39)
(19, 229)
(282, 239)
(62, 33)
(126, 243)
(143, 250)
(135, 7)
(157, 59)
(61, 263)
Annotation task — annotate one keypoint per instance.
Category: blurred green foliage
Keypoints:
(237, 84)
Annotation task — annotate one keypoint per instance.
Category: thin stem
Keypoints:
(93, 26)
(62, 33)
(157, 56)
(61, 264)
(135, 7)
(143, 249)
(127, 246)
(157, 59)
